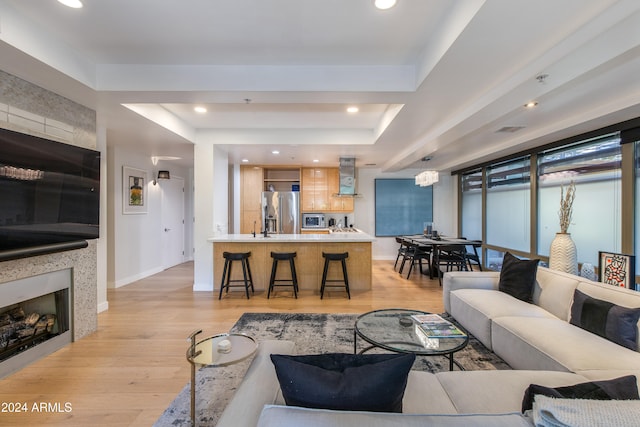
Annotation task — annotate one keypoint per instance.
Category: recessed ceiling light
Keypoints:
(531, 104)
(76, 4)
(200, 109)
(275, 152)
(315, 160)
(245, 160)
(384, 4)
(352, 109)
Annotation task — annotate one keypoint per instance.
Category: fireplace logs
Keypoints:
(18, 331)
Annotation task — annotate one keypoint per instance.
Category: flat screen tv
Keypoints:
(49, 194)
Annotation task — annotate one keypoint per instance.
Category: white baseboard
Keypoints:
(103, 306)
(128, 280)
(202, 287)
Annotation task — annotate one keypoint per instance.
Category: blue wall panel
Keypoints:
(402, 207)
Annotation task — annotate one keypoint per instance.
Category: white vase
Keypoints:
(563, 255)
(588, 271)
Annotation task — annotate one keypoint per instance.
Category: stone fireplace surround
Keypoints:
(84, 299)
(82, 264)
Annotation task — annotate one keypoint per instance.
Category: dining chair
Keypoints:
(472, 256)
(402, 250)
(416, 253)
(450, 257)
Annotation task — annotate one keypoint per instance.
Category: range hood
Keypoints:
(347, 177)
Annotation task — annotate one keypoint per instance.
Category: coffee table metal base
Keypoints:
(364, 350)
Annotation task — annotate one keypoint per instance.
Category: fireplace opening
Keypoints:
(28, 323)
(36, 318)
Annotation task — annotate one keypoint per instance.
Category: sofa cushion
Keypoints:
(474, 309)
(517, 277)
(606, 319)
(288, 416)
(454, 280)
(421, 384)
(553, 344)
(497, 391)
(617, 295)
(354, 382)
(623, 388)
(553, 291)
(608, 374)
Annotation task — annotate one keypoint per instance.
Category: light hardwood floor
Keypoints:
(128, 372)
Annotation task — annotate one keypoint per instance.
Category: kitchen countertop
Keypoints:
(333, 237)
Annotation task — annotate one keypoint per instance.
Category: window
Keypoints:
(637, 205)
(472, 205)
(605, 167)
(595, 167)
(508, 204)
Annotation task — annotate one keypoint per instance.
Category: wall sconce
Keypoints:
(162, 175)
(426, 178)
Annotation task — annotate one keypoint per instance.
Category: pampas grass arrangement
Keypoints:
(566, 206)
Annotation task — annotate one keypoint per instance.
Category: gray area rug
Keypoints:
(312, 333)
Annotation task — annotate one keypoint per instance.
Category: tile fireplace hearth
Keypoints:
(36, 320)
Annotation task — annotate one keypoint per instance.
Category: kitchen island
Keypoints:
(309, 260)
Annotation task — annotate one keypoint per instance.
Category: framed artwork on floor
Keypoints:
(134, 191)
(617, 269)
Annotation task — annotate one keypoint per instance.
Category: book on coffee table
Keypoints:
(434, 326)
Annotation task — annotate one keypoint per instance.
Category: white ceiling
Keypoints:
(432, 78)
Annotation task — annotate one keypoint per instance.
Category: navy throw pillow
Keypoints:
(604, 318)
(623, 388)
(352, 382)
(517, 277)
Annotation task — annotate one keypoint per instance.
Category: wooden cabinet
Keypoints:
(318, 188)
(251, 182)
(281, 178)
(314, 194)
(337, 204)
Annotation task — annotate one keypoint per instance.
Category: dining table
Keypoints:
(435, 243)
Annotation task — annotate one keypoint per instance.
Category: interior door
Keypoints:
(172, 221)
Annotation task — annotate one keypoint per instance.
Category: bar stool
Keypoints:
(328, 257)
(283, 256)
(247, 280)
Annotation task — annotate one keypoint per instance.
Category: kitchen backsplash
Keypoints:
(339, 218)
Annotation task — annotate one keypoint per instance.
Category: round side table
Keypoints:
(207, 353)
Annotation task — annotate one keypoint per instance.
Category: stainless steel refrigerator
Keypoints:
(281, 212)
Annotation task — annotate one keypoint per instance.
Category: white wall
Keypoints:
(135, 240)
(444, 208)
(211, 208)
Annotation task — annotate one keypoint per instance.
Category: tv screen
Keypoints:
(49, 192)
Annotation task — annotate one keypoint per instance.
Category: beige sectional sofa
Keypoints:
(535, 339)
(539, 335)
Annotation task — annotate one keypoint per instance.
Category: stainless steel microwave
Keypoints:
(313, 220)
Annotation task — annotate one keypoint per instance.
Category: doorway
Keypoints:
(172, 221)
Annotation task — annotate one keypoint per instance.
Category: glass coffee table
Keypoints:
(394, 330)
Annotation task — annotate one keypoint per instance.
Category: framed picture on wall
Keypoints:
(134, 191)
(617, 269)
